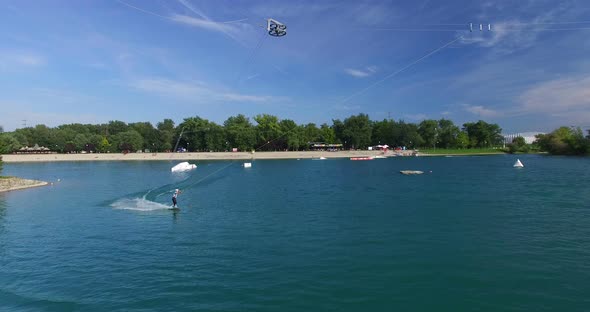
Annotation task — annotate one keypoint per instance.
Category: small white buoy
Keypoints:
(58, 180)
(247, 165)
(518, 164)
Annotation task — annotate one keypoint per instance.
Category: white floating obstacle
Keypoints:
(183, 166)
(518, 164)
(247, 165)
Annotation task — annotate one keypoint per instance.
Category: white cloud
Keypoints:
(504, 38)
(346, 107)
(168, 87)
(195, 91)
(480, 110)
(361, 73)
(371, 13)
(202, 23)
(11, 59)
(230, 30)
(245, 98)
(514, 32)
(558, 96)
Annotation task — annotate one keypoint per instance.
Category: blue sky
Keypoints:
(94, 61)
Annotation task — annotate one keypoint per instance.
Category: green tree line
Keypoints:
(263, 132)
(565, 141)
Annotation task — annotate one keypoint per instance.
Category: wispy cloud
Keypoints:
(515, 33)
(196, 91)
(245, 98)
(361, 73)
(21, 59)
(505, 37)
(346, 107)
(206, 23)
(202, 23)
(558, 96)
(169, 87)
(480, 110)
(371, 13)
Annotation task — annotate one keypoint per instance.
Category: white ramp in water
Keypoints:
(183, 166)
(518, 164)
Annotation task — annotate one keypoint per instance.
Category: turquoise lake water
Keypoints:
(300, 235)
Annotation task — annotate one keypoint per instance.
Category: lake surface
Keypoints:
(475, 234)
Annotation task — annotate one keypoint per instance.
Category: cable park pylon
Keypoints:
(481, 26)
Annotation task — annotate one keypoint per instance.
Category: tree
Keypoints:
(128, 141)
(408, 135)
(115, 127)
(428, 130)
(564, 141)
(41, 135)
(357, 131)
(310, 133)
(81, 142)
(165, 135)
(148, 133)
(518, 145)
(291, 135)
(267, 131)
(483, 134)
(383, 132)
(327, 134)
(447, 134)
(338, 129)
(215, 138)
(462, 140)
(94, 141)
(8, 143)
(201, 135)
(240, 133)
(69, 147)
(104, 145)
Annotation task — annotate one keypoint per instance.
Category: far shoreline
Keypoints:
(29, 158)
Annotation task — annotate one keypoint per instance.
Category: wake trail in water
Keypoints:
(151, 200)
(139, 204)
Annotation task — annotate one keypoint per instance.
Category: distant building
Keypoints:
(321, 146)
(529, 137)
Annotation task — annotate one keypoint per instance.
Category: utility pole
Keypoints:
(180, 136)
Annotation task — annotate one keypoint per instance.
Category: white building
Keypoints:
(529, 137)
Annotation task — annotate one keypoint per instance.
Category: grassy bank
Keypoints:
(465, 151)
